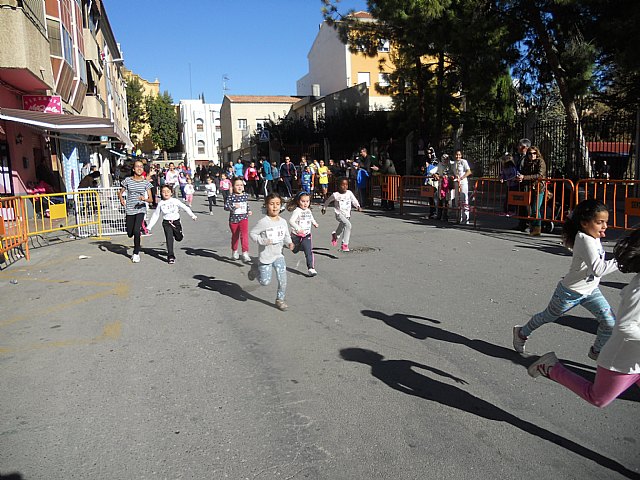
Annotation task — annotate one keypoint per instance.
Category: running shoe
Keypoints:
(543, 365)
(312, 272)
(334, 239)
(345, 247)
(518, 339)
(135, 258)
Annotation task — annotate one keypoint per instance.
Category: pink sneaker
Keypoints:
(334, 239)
(345, 247)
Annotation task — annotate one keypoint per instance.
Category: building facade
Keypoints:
(142, 140)
(333, 68)
(200, 132)
(241, 116)
(62, 94)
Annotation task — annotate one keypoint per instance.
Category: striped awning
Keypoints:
(71, 124)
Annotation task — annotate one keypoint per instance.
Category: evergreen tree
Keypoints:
(135, 107)
(163, 120)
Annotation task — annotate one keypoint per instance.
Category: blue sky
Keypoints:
(261, 46)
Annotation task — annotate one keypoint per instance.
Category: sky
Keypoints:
(189, 45)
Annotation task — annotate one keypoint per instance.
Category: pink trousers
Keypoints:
(607, 387)
(240, 231)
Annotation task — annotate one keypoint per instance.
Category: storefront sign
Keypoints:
(42, 103)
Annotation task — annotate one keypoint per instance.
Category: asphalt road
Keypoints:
(395, 362)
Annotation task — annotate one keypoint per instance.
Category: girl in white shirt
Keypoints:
(170, 209)
(342, 201)
(189, 190)
(619, 361)
(301, 222)
(581, 233)
(271, 233)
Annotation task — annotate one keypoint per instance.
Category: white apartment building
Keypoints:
(201, 132)
(242, 115)
(333, 68)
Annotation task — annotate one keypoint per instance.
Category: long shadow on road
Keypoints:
(404, 324)
(204, 252)
(399, 375)
(228, 289)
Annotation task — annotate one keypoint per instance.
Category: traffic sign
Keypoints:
(264, 135)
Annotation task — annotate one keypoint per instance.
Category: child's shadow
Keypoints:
(116, 248)
(321, 251)
(400, 375)
(158, 253)
(229, 289)
(420, 331)
(203, 252)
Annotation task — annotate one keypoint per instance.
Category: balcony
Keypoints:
(94, 106)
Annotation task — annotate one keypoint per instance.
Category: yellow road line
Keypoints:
(111, 331)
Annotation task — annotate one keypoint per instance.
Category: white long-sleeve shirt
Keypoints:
(621, 353)
(342, 202)
(588, 265)
(270, 234)
(211, 189)
(170, 210)
(302, 220)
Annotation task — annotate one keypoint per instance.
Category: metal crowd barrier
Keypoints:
(621, 196)
(385, 187)
(491, 196)
(13, 226)
(54, 212)
(111, 213)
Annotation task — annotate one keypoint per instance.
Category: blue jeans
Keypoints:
(281, 273)
(564, 300)
(537, 197)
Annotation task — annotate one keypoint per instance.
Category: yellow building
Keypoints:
(142, 140)
(333, 67)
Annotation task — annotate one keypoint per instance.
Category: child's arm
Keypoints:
(354, 201)
(255, 234)
(293, 220)
(287, 239)
(154, 217)
(313, 221)
(227, 204)
(186, 208)
(327, 202)
(591, 257)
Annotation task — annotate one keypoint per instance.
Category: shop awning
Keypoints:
(71, 124)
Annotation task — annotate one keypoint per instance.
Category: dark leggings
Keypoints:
(134, 226)
(172, 229)
(212, 202)
(304, 244)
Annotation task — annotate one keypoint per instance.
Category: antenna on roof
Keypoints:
(225, 79)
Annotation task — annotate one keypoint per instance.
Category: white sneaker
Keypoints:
(245, 257)
(210, 213)
(135, 258)
(518, 341)
(543, 365)
(312, 272)
(235, 255)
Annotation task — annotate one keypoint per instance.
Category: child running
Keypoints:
(237, 204)
(271, 233)
(300, 222)
(189, 190)
(225, 187)
(138, 195)
(342, 201)
(170, 208)
(581, 233)
(212, 192)
(619, 361)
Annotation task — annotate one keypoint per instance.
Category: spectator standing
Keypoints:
(252, 178)
(534, 170)
(287, 175)
(267, 177)
(461, 171)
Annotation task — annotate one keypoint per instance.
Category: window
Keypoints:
(261, 123)
(83, 69)
(67, 49)
(383, 79)
(242, 124)
(200, 147)
(383, 46)
(364, 77)
(55, 38)
(199, 125)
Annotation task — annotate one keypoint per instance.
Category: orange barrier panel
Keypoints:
(492, 197)
(13, 225)
(621, 196)
(385, 187)
(413, 191)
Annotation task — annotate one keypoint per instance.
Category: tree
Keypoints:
(163, 120)
(135, 106)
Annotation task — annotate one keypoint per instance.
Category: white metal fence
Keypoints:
(112, 213)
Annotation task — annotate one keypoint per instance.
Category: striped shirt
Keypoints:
(135, 189)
